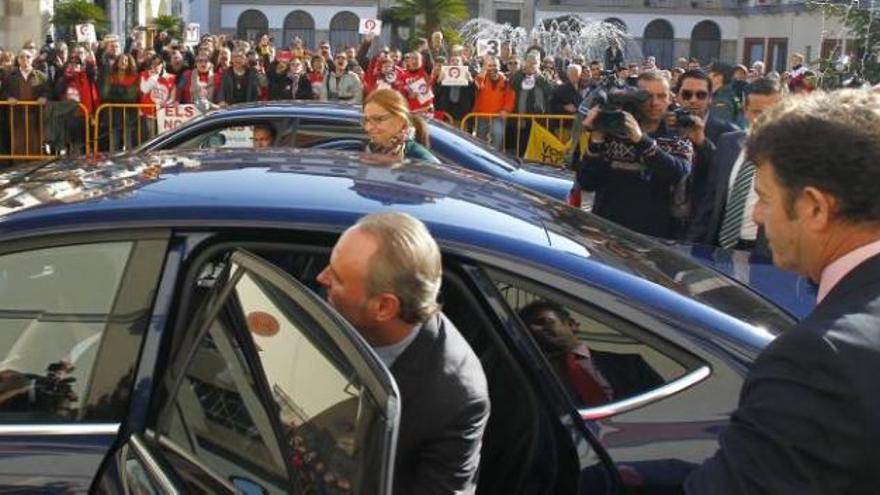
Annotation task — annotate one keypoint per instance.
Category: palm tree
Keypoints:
(432, 15)
(69, 13)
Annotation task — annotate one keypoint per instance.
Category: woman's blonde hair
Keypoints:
(394, 103)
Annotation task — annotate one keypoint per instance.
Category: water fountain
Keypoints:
(560, 37)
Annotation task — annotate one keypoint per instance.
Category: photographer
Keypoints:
(692, 120)
(634, 162)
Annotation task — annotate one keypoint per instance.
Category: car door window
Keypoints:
(599, 358)
(55, 305)
(327, 134)
(269, 399)
(238, 136)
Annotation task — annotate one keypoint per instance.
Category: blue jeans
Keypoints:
(496, 126)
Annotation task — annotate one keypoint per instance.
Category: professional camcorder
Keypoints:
(613, 98)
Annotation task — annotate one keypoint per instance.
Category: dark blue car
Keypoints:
(163, 331)
(338, 126)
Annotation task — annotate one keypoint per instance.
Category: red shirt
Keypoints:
(156, 91)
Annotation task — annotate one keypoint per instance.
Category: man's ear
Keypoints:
(387, 307)
(816, 208)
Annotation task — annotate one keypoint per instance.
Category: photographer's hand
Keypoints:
(633, 130)
(697, 132)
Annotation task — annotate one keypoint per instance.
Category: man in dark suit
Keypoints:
(694, 94)
(723, 216)
(384, 276)
(808, 420)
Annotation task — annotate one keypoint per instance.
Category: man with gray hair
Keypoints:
(384, 277)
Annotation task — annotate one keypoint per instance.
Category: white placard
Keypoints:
(85, 33)
(191, 37)
(422, 90)
(454, 75)
(173, 116)
(370, 26)
(488, 47)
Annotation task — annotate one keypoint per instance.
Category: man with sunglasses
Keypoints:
(694, 94)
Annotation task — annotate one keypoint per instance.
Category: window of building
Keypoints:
(617, 22)
(657, 42)
(754, 49)
(251, 24)
(706, 42)
(508, 16)
(344, 31)
(299, 24)
(777, 54)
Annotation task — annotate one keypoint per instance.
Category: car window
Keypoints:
(325, 133)
(55, 305)
(268, 397)
(599, 358)
(239, 136)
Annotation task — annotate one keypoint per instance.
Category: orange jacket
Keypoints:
(493, 97)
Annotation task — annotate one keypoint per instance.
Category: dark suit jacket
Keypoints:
(710, 209)
(445, 406)
(808, 420)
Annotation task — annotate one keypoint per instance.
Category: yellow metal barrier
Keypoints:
(23, 123)
(497, 130)
(125, 127)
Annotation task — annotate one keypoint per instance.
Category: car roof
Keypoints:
(324, 190)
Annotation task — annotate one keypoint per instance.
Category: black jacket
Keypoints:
(281, 86)
(808, 420)
(251, 89)
(709, 210)
(634, 184)
(565, 94)
(445, 406)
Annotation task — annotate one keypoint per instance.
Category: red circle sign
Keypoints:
(262, 323)
(454, 72)
(370, 24)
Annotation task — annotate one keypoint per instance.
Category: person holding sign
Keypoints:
(417, 85)
(453, 97)
(392, 129)
(533, 93)
(158, 88)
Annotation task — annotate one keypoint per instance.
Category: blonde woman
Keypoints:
(392, 129)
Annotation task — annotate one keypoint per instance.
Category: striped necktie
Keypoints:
(732, 222)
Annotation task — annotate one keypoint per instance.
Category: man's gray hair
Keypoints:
(406, 263)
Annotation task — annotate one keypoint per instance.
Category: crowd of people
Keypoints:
(672, 168)
(220, 70)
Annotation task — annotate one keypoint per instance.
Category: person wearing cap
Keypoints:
(725, 104)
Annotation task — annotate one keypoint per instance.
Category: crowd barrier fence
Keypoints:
(121, 126)
(543, 138)
(33, 130)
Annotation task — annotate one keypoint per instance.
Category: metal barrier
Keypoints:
(120, 126)
(23, 123)
(498, 131)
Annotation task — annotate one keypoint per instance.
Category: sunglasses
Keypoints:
(687, 94)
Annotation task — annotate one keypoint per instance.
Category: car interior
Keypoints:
(525, 448)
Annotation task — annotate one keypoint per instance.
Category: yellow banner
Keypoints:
(544, 147)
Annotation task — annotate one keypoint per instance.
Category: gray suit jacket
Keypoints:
(445, 406)
(710, 209)
(808, 420)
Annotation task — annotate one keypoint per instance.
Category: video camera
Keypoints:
(684, 118)
(614, 97)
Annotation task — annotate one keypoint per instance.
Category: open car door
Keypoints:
(275, 393)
